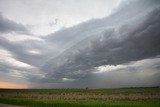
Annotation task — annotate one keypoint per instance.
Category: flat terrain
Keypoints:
(128, 97)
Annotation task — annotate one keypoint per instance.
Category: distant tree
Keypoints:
(86, 88)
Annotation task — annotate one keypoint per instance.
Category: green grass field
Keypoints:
(124, 97)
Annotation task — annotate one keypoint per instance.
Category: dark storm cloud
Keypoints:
(141, 73)
(7, 26)
(127, 10)
(70, 57)
(131, 39)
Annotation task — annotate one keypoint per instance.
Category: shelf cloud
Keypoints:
(119, 50)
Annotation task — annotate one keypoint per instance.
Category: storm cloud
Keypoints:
(119, 50)
(135, 39)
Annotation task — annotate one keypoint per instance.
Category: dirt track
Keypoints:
(6, 105)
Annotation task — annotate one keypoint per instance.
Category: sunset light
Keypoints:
(12, 85)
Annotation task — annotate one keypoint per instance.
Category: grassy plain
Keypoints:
(122, 97)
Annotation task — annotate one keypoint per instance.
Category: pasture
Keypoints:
(122, 97)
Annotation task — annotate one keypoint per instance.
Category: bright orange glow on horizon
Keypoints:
(12, 85)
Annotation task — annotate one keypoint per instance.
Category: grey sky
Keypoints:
(38, 14)
(85, 43)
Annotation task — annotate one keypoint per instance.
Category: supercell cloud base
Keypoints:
(77, 44)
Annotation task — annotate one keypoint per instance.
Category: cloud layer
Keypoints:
(120, 50)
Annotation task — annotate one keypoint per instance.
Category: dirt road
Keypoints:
(6, 105)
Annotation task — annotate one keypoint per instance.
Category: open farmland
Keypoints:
(136, 97)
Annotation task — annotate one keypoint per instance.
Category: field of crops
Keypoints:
(128, 97)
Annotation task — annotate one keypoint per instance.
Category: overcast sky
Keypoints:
(44, 17)
(79, 43)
